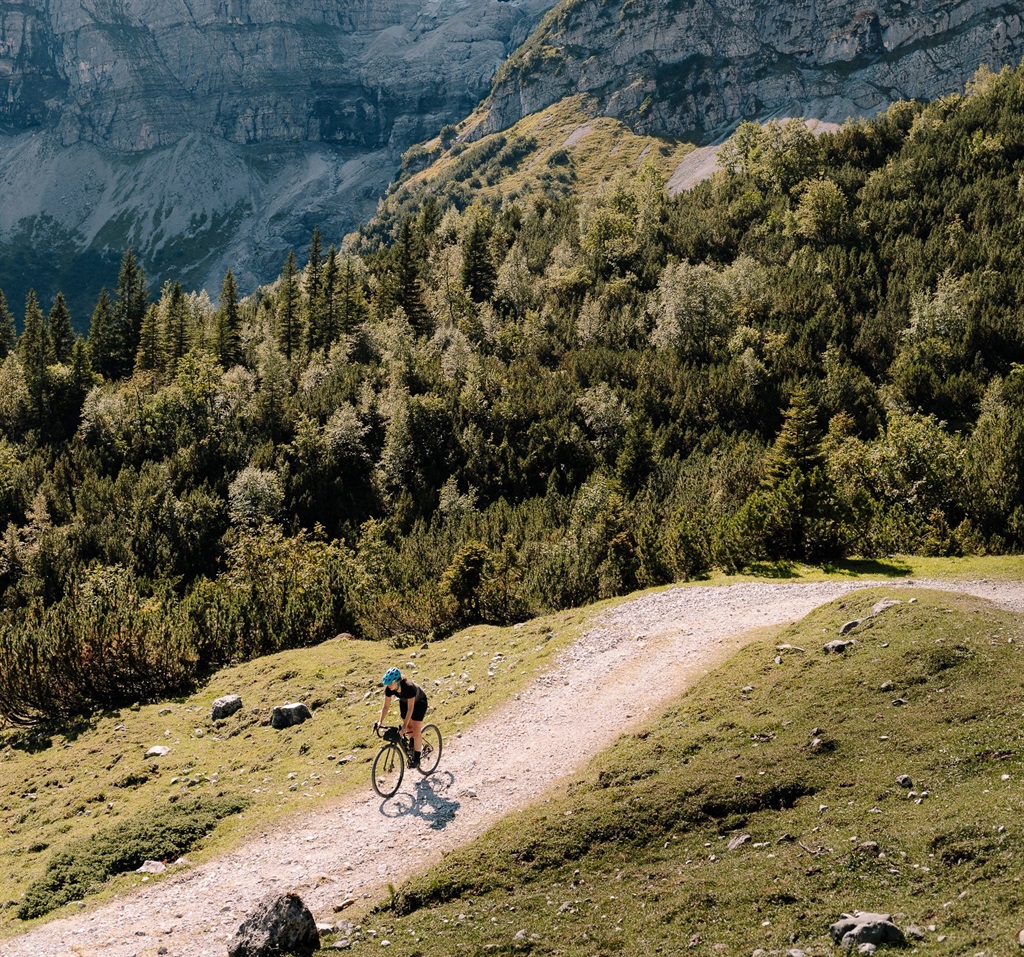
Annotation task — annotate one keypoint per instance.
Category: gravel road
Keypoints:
(351, 849)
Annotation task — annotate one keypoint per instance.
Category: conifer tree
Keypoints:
(34, 350)
(62, 336)
(149, 356)
(228, 323)
(288, 333)
(430, 216)
(8, 336)
(478, 270)
(101, 335)
(407, 285)
(351, 309)
(314, 292)
(797, 507)
(176, 325)
(67, 390)
(798, 446)
(129, 310)
(328, 312)
(81, 367)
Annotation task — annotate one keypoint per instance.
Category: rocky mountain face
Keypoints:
(695, 68)
(217, 132)
(133, 76)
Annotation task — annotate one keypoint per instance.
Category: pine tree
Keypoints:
(317, 338)
(351, 309)
(8, 335)
(176, 325)
(227, 337)
(797, 509)
(66, 392)
(430, 216)
(798, 446)
(129, 311)
(101, 335)
(149, 356)
(407, 285)
(478, 270)
(62, 336)
(81, 367)
(288, 333)
(330, 321)
(34, 350)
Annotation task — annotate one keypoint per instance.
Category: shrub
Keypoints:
(107, 643)
(163, 834)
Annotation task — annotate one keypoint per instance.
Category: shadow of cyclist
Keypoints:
(427, 801)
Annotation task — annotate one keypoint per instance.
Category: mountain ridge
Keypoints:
(261, 120)
(688, 70)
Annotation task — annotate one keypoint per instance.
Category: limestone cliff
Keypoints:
(695, 68)
(217, 132)
(135, 74)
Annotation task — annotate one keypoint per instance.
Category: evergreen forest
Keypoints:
(473, 412)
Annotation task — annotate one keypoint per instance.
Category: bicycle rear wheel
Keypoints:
(430, 755)
(388, 768)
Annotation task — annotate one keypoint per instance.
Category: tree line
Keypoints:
(473, 413)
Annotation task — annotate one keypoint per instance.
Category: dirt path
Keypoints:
(640, 655)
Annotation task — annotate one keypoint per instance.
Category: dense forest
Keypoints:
(472, 414)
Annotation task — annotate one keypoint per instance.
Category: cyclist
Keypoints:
(412, 700)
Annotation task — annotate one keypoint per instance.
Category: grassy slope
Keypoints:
(633, 858)
(56, 790)
(1001, 568)
(563, 145)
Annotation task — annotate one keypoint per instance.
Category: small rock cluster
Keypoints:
(866, 932)
(287, 715)
(877, 609)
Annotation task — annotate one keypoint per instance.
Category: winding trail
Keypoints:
(341, 850)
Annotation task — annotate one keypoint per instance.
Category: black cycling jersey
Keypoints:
(410, 691)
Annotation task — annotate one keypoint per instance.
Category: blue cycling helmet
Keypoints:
(392, 674)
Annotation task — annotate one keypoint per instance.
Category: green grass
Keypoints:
(166, 833)
(905, 567)
(802, 755)
(601, 149)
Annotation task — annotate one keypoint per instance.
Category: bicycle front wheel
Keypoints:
(430, 738)
(388, 768)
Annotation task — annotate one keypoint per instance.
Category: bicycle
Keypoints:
(396, 751)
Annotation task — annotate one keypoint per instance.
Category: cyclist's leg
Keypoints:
(419, 712)
(416, 729)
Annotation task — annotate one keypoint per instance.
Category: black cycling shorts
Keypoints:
(419, 708)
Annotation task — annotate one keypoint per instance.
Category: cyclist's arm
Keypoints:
(384, 710)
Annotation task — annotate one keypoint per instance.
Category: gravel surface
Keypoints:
(632, 663)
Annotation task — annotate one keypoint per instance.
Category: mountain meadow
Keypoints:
(786, 788)
(783, 788)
